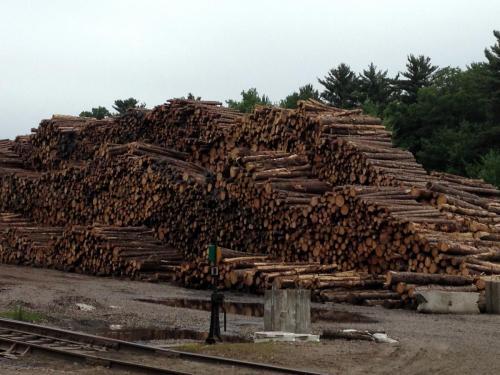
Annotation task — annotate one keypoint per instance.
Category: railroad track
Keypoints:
(18, 338)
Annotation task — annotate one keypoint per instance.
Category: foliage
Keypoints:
(98, 113)
(190, 96)
(488, 168)
(305, 92)
(123, 105)
(249, 99)
(448, 117)
(493, 76)
(22, 315)
(454, 149)
(419, 73)
(374, 90)
(341, 87)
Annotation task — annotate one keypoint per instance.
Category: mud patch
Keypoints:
(257, 310)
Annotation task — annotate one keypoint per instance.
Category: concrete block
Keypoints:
(492, 295)
(284, 337)
(444, 302)
(287, 310)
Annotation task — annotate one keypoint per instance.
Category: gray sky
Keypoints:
(65, 56)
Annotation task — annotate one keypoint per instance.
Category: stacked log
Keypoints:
(269, 203)
(344, 146)
(275, 182)
(24, 242)
(9, 159)
(58, 141)
(192, 122)
(277, 187)
(128, 127)
(131, 252)
(476, 205)
(408, 284)
(108, 251)
(257, 273)
(368, 228)
(127, 186)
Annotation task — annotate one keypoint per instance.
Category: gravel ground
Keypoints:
(437, 344)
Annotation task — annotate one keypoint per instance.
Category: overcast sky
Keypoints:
(61, 56)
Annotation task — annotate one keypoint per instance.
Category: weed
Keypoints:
(22, 315)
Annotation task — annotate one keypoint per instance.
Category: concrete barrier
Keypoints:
(287, 310)
(444, 302)
(492, 295)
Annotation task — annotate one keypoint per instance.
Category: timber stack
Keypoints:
(57, 142)
(344, 146)
(115, 251)
(24, 242)
(256, 273)
(318, 189)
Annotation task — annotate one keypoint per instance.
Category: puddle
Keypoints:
(324, 315)
(257, 310)
(239, 308)
(149, 334)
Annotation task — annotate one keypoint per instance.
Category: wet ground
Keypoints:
(163, 334)
(168, 315)
(256, 309)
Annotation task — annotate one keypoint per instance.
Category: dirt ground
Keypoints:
(428, 344)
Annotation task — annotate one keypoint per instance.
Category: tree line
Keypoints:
(448, 117)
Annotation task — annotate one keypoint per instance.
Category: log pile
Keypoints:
(115, 251)
(192, 121)
(274, 182)
(476, 205)
(57, 142)
(344, 146)
(128, 185)
(9, 159)
(291, 215)
(277, 187)
(257, 273)
(104, 190)
(108, 251)
(24, 242)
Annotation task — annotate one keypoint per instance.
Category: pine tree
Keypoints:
(305, 92)
(249, 99)
(122, 106)
(493, 69)
(374, 87)
(341, 86)
(191, 96)
(98, 113)
(419, 73)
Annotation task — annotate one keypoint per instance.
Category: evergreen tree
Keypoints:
(249, 99)
(419, 73)
(493, 65)
(374, 88)
(98, 113)
(122, 106)
(341, 86)
(305, 92)
(191, 96)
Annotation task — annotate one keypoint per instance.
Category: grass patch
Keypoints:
(22, 315)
